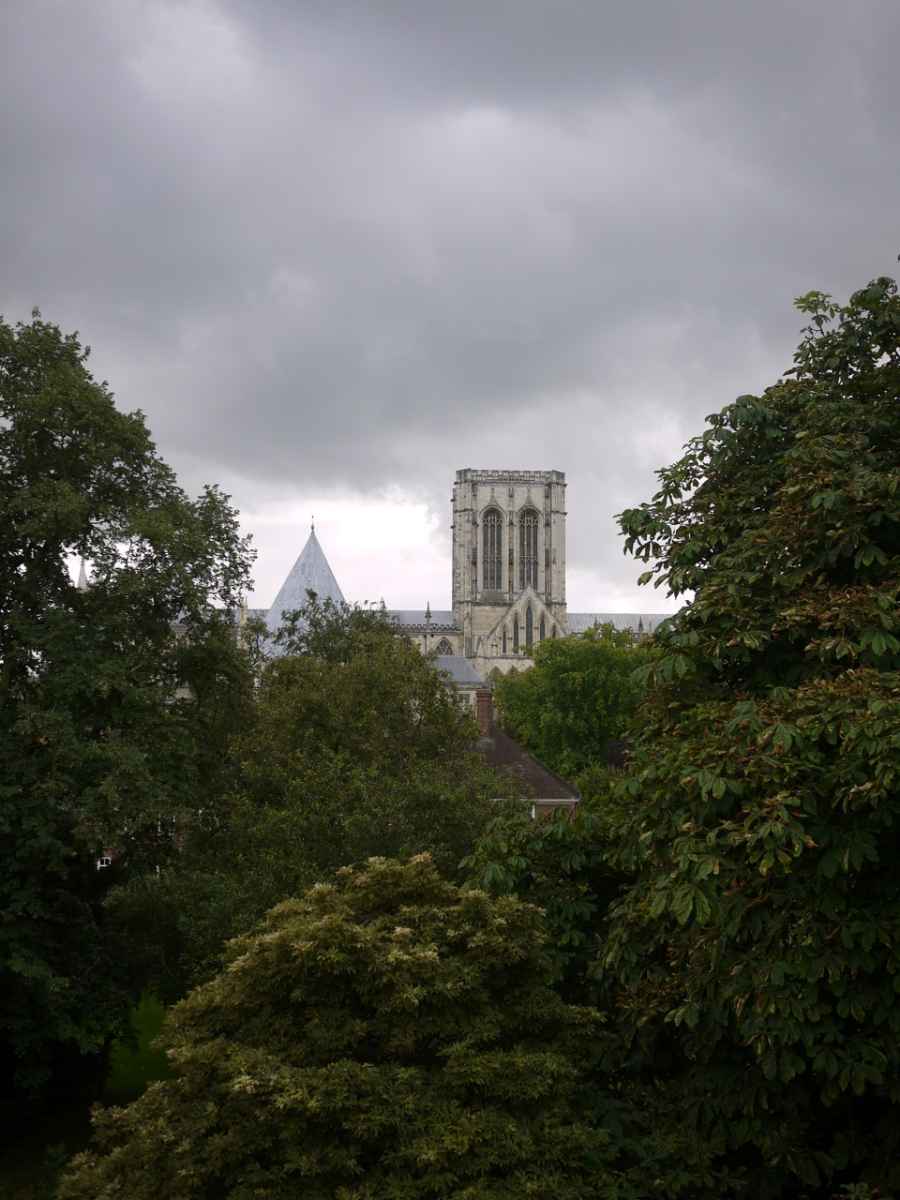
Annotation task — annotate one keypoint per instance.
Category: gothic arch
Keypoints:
(529, 522)
(444, 647)
(492, 550)
(529, 628)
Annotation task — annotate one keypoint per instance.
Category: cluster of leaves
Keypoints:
(751, 957)
(387, 1034)
(579, 696)
(97, 743)
(565, 865)
(355, 746)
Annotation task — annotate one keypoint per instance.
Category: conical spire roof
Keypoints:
(310, 572)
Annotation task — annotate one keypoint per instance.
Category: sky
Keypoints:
(336, 251)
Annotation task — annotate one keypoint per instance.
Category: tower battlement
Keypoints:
(471, 475)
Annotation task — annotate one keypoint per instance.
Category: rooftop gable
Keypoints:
(310, 573)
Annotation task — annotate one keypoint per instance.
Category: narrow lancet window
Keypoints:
(516, 634)
(492, 558)
(528, 547)
(529, 628)
(543, 627)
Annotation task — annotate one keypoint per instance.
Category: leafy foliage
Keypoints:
(331, 632)
(98, 748)
(385, 1035)
(580, 694)
(566, 864)
(749, 953)
(356, 747)
(765, 787)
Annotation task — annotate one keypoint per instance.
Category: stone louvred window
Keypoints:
(528, 549)
(492, 537)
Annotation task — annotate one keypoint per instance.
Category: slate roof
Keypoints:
(505, 754)
(310, 572)
(581, 622)
(441, 618)
(459, 669)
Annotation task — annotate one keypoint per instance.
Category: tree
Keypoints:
(356, 747)
(567, 865)
(731, 900)
(329, 632)
(385, 1035)
(98, 746)
(764, 789)
(580, 694)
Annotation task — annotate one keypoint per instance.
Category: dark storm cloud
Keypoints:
(347, 246)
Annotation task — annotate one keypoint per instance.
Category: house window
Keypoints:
(528, 541)
(492, 537)
(444, 647)
(529, 628)
(516, 634)
(543, 628)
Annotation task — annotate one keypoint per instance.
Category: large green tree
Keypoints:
(580, 695)
(385, 1035)
(764, 923)
(115, 700)
(356, 747)
(752, 957)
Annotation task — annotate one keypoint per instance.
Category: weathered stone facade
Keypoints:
(508, 586)
(508, 583)
(509, 561)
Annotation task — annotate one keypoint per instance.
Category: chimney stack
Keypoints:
(484, 712)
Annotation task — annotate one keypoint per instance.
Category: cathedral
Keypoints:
(508, 587)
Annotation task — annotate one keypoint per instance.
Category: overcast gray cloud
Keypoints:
(336, 249)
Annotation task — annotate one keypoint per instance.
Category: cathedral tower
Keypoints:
(509, 559)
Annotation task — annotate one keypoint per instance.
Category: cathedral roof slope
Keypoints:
(419, 616)
(459, 669)
(310, 573)
(636, 622)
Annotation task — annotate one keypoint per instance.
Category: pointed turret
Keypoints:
(310, 572)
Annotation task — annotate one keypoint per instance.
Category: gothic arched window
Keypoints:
(444, 647)
(492, 537)
(516, 634)
(504, 639)
(543, 628)
(528, 548)
(529, 628)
